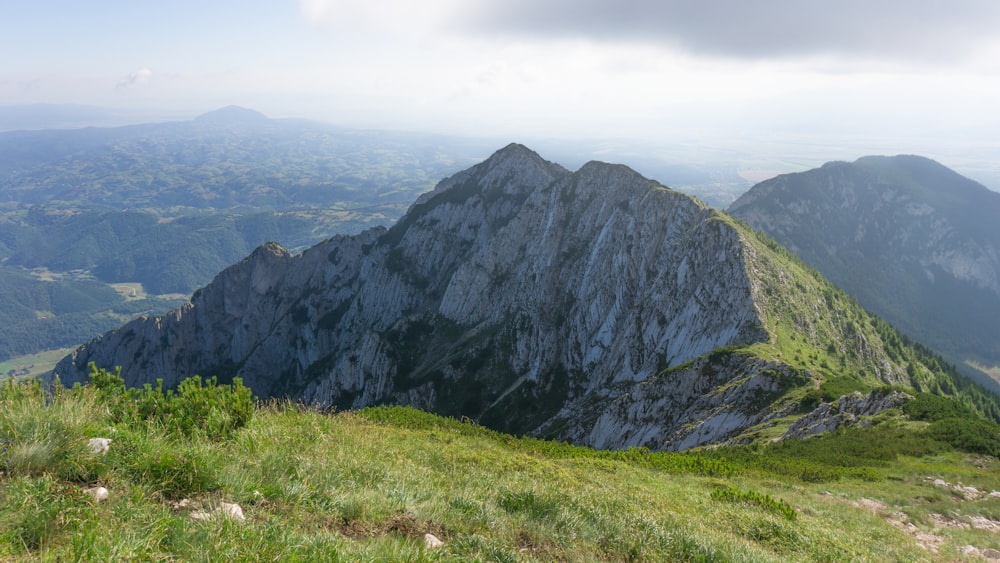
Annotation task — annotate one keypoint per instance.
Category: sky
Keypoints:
(894, 73)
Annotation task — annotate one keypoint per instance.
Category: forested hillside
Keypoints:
(912, 240)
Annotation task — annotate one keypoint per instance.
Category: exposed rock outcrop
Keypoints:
(850, 410)
(517, 293)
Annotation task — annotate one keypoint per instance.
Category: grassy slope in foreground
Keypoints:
(368, 485)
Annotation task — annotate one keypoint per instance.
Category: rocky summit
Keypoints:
(595, 306)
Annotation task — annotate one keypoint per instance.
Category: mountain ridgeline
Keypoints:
(915, 242)
(594, 306)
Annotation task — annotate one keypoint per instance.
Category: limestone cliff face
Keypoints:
(517, 293)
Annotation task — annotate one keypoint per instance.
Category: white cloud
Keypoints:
(139, 77)
(396, 17)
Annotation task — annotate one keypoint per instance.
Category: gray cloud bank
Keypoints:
(922, 30)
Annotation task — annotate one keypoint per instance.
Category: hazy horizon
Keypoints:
(785, 79)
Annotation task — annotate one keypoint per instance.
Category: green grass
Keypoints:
(820, 330)
(366, 486)
(32, 365)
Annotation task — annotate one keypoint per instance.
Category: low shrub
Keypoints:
(976, 436)
(753, 498)
(931, 408)
(853, 453)
(196, 407)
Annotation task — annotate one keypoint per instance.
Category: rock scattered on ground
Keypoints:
(99, 446)
(232, 511)
(201, 515)
(977, 522)
(227, 510)
(988, 554)
(965, 491)
(432, 541)
(97, 493)
(854, 410)
(929, 541)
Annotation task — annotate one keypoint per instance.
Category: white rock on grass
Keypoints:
(988, 554)
(201, 515)
(229, 511)
(99, 446)
(432, 542)
(232, 511)
(97, 493)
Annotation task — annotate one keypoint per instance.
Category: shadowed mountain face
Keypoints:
(596, 306)
(915, 242)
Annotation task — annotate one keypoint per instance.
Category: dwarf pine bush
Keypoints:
(196, 407)
(753, 498)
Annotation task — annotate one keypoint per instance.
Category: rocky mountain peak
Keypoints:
(511, 171)
(596, 306)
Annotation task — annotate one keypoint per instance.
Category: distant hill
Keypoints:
(233, 115)
(165, 254)
(915, 242)
(232, 158)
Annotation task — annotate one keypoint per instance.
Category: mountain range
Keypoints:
(165, 206)
(594, 306)
(913, 241)
(231, 158)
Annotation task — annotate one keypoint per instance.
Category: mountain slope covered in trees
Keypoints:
(915, 242)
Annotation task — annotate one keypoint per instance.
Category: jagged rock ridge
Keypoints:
(530, 298)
